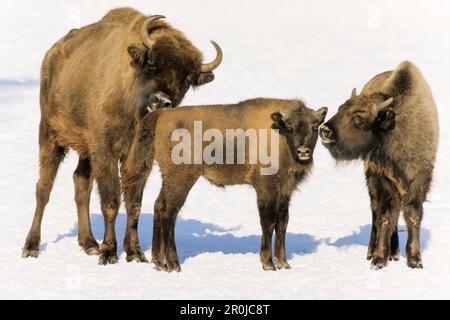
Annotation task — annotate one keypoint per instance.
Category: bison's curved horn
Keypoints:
(209, 67)
(353, 93)
(144, 30)
(378, 107)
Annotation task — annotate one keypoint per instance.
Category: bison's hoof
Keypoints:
(30, 253)
(104, 259)
(160, 266)
(90, 247)
(283, 265)
(108, 256)
(415, 262)
(93, 251)
(394, 256)
(173, 267)
(269, 266)
(378, 263)
(136, 258)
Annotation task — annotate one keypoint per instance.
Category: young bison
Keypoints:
(393, 126)
(297, 135)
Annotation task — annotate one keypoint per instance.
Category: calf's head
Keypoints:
(168, 64)
(300, 127)
(357, 125)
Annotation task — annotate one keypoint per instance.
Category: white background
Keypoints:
(317, 51)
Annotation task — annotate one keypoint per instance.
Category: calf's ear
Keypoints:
(137, 55)
(385, 120)
(278, 120)
(320, 114)
(204, 78)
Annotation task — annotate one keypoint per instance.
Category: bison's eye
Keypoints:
(151, 66)
(289, 127)
(359, 121)
(315, 127)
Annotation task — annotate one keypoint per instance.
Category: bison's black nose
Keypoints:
(160, 100)
(304, 153)
(326, 134)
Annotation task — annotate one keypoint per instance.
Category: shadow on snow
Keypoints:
(194, 237)
(362, 236)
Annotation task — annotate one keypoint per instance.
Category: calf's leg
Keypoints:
(267, 206)
(172, 196)
(83, 182)
(280, 234)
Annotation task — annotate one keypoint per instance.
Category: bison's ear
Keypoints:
(137, 55)
(321, 114)
(278, 120)
(204, 78)
(385, 120)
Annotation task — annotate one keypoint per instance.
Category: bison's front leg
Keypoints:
(385, 203)
(133, 201)
(267, 206)
(106, 174)
(280, 234)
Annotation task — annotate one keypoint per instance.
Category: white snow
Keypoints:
(317, 51)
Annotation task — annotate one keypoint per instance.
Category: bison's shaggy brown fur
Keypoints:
(96, 84)
(298, 133)
(393, 126)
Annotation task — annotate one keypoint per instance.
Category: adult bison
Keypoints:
(96, 84)
(393, 126)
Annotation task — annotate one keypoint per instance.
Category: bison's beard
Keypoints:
(339, 152)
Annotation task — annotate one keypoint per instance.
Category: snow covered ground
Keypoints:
(317, 51)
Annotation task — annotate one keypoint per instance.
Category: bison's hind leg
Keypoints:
(83, 181)
(175, 189)
(395, 246)
(50, 157)
(413, 213)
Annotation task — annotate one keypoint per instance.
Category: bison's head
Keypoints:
(168, 64)
(300, 127)
(357, 125)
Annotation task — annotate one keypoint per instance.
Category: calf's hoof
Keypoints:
(136, 256)
(108, 256)
(378, 263)
(415, 262)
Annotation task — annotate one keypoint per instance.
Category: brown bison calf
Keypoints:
(393, 126)
(291, 150)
